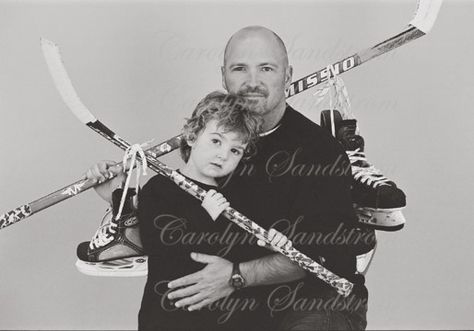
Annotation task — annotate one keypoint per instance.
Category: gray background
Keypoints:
(142, 66)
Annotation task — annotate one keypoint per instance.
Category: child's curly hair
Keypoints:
(232, 112)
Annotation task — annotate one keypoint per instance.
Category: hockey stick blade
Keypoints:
(426, 14)
(60, 77)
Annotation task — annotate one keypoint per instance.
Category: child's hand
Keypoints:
(102, 171)
(214, 203)
(277, 239)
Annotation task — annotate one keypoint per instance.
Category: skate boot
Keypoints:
(116, 248)
(378, 201)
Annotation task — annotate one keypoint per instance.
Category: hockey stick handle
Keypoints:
(69, 191)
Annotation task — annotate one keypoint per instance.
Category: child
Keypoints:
(173, 224)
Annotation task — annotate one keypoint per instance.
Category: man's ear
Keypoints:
(223, 78)
(288, 77)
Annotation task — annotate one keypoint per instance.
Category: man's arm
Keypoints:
(211, 283)
(270, 269)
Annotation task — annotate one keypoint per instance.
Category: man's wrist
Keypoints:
(237, 280)
(246, 271)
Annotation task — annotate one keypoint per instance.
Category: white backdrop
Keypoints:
(142, 66)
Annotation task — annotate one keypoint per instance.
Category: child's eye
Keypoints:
(236, 151)
(215, 141)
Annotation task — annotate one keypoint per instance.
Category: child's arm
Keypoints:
(277, 239)
(214, 203)
(101, 171)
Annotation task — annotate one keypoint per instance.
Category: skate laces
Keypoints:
(338, 96)
(131, 153)
(105, 234)
(101, 236)
(365, 172)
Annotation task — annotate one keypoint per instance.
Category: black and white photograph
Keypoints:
(236, 165)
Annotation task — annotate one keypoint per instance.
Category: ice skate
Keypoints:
(378, 201)
(116, 248)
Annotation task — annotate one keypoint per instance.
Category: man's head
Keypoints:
(256, 67)
(222, 129)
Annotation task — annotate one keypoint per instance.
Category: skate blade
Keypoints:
(126, 267)
(364, 261)
(381, 219)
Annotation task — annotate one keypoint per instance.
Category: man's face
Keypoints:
(256, 68)
(215, 153)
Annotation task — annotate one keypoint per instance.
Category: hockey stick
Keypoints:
(422, 23)
(73, 189)
(425, 17)
(65, 88)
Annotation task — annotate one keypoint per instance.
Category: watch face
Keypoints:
(237, 281)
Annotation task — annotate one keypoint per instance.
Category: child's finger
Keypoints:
(103, 168)
(225, 205)
(220, 200)
(109, 163)
(90, 176)
(276, 241)
(283, 241)
(117, 169)
(222, 207)
(211, 192)
(218, 195)
(96, 173)
(271, 234)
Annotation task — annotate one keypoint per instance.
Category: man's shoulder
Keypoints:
(306, 132)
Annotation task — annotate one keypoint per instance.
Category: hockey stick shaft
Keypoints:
(73, 189)
(352, 62)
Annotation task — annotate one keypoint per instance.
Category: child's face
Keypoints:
(216, 153)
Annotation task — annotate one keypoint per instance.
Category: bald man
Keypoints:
(299, 183)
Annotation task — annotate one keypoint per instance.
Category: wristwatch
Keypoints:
(236, 280)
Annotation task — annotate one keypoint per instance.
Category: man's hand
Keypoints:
(205, 286)
(214, 203)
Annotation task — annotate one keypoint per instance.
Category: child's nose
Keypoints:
(223, 154)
